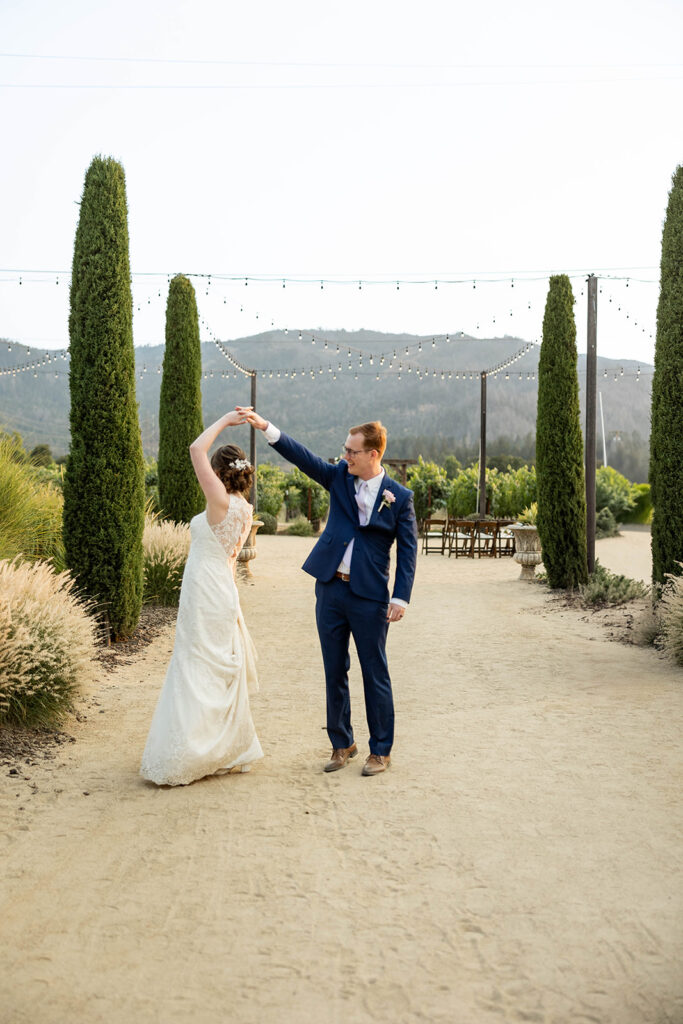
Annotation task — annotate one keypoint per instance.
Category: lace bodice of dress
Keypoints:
(232, 531)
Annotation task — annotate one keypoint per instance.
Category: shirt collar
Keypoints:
(373, 483)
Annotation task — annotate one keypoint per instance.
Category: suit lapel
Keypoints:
(351, 491)
(378, 499)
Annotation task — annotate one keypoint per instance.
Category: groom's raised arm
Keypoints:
(312, 465)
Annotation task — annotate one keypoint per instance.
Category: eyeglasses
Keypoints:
(350, 451)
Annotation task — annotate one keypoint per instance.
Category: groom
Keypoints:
(350, 562)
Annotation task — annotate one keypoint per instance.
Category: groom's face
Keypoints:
(357, 458)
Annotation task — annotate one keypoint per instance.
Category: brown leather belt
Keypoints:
(343, 576)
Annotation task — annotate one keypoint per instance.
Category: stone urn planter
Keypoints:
(249, 549)
(527, 549)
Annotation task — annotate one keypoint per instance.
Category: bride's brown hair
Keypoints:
(234, 478)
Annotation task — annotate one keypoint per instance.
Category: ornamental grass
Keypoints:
(607, 588)
(30, 511)
(671, 617)
(165, 546)
(47, 644)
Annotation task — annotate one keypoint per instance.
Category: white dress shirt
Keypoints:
(371, 491)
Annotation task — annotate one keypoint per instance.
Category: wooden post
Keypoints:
(252, 446)
(591, 389)
(482, 449)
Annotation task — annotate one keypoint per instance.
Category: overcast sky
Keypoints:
(363, 141)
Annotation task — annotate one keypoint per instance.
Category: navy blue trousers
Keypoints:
(341, 614)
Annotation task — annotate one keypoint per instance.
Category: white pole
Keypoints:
(602, 421)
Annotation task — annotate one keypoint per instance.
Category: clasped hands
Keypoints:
(249, 416)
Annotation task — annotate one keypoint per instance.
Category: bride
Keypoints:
(202, 724)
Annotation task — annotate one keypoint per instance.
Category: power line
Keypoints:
(329, 64)
(401, 278)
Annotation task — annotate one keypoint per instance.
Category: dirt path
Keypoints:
(520, 861)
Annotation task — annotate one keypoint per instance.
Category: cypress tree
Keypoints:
(559, 444)
(104, 485)
(180, 405)
(666, 437)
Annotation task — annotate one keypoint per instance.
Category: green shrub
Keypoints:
(47, 644)
(513, 491)
(292, 498)
(559, 444)
(271, 482)
(104, 484)
(605, 524)
(180, 405)
(319, 497)
(269, 523)
(430, 487)
(671, 617)
(606, 588)
(642, 510)
(300, 528)
(41, 455)
(30, 511)
(165, 546)
(462, 499)
(613, 491)
(666, 435)
(452, 466)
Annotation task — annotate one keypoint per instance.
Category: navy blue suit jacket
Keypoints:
(371, 543)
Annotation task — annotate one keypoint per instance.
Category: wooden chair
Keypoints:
(506, 542)
(487, 538)
(433, 535)
(462, 535)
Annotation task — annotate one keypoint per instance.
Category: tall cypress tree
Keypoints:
(104, 485)
(559, 444)
(180, 405)
(666, 437)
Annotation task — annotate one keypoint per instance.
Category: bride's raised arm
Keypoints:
(215, 493)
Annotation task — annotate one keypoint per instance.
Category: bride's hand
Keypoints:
(254, 419)
(236, 417)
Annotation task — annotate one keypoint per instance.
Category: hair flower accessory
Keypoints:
(240, 464)
(388, 498)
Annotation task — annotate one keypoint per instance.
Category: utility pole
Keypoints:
(482, 449)
(591, 390)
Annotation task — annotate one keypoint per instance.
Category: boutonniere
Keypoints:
(388, 498)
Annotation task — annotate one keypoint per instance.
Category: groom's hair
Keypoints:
(374, 435)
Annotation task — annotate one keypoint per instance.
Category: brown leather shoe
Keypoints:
(376, 763)
(340, 757)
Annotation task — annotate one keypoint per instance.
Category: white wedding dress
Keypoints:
(202, 724)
